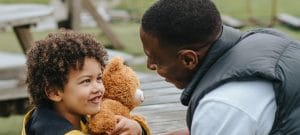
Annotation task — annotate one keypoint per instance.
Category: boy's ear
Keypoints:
(189, 58)
(54, 94)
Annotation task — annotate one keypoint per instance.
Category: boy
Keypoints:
(64, 82)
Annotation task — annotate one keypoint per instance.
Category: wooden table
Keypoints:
(20, 17)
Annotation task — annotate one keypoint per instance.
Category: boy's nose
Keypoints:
(98, 87)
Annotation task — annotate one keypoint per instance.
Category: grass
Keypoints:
(11, 125)
(24, 1)
(127, 32)
(137, 9)
(261, 8)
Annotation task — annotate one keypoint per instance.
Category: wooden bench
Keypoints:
(73, 19)
(232, 22)
(20, 17)
(289, 20)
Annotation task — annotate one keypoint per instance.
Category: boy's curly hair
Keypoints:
(50, 60)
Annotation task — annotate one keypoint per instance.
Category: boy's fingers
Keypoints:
(118, 117)
(119, 125)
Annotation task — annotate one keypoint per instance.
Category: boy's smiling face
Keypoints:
(83, 91)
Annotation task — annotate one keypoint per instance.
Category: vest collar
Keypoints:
(228, 39)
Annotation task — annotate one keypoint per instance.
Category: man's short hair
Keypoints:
(182, 21)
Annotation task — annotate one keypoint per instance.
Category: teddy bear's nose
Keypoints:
(140, 95)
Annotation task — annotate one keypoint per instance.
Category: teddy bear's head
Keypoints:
(122, 84)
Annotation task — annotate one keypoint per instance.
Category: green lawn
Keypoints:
(11, 125)
(24, 1)
(129, 35)
(261, 8)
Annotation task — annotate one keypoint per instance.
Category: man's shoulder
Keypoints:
(242, 88)
(266, 31)
(247, 96)
(236, 108)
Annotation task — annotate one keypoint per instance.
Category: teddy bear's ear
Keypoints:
(114, 64)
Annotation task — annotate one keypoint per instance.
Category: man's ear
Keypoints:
(54, 94)
(189, 58)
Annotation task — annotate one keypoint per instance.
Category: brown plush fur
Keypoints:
(120, 84)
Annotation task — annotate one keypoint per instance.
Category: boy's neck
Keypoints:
(73, 118)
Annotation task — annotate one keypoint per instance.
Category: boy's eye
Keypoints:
(85, 81)
(99, 79)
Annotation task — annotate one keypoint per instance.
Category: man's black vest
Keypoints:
(257, 54)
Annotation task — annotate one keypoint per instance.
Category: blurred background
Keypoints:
(115, 23)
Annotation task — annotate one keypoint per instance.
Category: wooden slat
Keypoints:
(163, 127)
(161, 92)
(89, 6)
(13, 93)
(167, 107)
(230, 21)
(289, 20)
(150, 78)
(162, 99)
(12, 15)
(155, 85)
(12, 72)
(24, 36)
(150, 82)
(20, 17)
(161, 96)
(162, 107)
(163, 117)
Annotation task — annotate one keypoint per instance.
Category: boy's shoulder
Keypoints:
(44, 121)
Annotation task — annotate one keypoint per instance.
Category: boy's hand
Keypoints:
(126, 126)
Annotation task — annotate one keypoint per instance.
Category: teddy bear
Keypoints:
(121, 96)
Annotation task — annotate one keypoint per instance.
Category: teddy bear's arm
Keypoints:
(116, 107)
(102, 122)
(142, 121)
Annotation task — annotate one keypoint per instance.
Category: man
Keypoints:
(234, 83)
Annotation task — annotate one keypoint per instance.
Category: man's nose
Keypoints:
(151, 66)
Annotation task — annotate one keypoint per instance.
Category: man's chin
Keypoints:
(177, 85)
